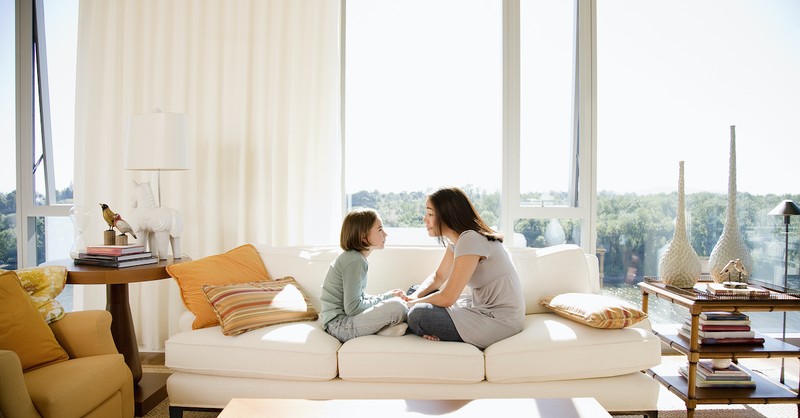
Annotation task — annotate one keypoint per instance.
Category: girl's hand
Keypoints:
(400, 294)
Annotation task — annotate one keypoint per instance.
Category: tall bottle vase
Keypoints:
(679, 265)
(731, 245)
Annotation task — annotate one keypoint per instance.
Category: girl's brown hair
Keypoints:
(454, 209)
(355, 228)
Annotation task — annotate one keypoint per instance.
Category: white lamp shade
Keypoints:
(156, 142)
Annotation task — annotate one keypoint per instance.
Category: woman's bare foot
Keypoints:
(431, 337)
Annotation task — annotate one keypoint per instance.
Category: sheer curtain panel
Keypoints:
(259, 83)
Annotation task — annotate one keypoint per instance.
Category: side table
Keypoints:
(697, 301)
(149, 388)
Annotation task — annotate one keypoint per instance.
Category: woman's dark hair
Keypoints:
(355, 229)
(454, 209)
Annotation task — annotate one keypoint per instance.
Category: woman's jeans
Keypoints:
(427, 319)
(387, 313)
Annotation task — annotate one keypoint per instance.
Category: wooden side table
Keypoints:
(149, 388)
(697, 301)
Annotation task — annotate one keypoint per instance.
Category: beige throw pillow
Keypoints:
(595, 310)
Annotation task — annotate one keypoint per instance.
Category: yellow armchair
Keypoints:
(94, 382)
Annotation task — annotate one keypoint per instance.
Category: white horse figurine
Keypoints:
(155, 227)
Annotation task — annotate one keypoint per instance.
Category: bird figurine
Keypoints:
(122, 226)
(108, 215)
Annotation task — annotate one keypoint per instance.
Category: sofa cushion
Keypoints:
(239, 265)
(248, 306)
(410, 358)
(22, 328)
(550, 271)
(551, 347)
(294, 351)
(599, 311)
(43, 285)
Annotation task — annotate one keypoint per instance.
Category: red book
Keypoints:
(724, 327)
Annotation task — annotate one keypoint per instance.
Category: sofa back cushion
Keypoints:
(550, 271)
(544, 272)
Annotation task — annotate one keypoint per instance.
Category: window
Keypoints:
(466, 94)
(46, 39)
(669, 93)
(40, 37)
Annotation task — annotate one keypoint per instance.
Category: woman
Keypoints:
(474, 257)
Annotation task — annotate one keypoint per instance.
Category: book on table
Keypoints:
(706, 326)
(134, 256)
(702, 381)
(116, 264)
(114, 249)
(702, 333)
(723, 316)
(686, 333)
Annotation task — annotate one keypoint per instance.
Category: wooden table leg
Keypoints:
(122, 329)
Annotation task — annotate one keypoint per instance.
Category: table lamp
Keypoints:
(787, 209)
(156, 142)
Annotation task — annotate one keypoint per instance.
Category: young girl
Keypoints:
(347, 311)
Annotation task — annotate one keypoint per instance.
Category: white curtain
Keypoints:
(259, 83)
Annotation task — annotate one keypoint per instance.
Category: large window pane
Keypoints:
(672, 77)
(547, 79)
(422, 102)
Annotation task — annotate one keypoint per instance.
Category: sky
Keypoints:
(669, 93)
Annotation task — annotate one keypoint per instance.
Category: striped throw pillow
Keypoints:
(247, 306)
(594, 310)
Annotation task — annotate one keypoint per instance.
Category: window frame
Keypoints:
(31, 47)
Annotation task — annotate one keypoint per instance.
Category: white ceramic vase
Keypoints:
(730, 245)
(679, 265)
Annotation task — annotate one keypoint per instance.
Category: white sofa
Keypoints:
(552, 357)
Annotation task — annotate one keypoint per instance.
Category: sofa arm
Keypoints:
(14, 398)
(85, 333)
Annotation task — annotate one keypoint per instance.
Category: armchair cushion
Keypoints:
(22, 328)
(78, 387)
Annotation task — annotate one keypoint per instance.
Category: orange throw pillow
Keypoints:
(239, 265)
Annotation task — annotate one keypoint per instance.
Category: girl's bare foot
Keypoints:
(431, 337)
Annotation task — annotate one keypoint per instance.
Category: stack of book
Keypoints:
(117, 256)
(708, 376)
(722, 328)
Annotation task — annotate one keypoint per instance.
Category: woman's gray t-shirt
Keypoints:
(495, 308)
